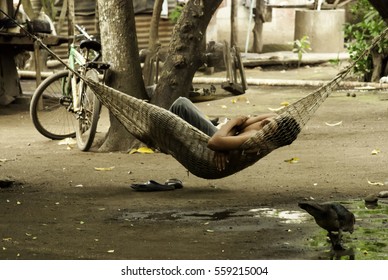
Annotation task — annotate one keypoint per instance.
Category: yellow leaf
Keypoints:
(375, 151)
(142, 150)
(111, 251)
(104, 168)
(285, 103)
(224, 106)
(292, 160)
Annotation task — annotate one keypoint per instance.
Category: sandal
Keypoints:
(153, 186)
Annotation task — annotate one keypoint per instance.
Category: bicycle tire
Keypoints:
(89, 115)
(50, 116)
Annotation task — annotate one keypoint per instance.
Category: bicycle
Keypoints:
(63, 106)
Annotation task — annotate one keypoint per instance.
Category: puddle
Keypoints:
(286, 217)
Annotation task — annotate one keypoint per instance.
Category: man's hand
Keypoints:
(221, 159)
(240, 121)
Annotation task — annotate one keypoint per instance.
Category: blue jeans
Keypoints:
(185, 109)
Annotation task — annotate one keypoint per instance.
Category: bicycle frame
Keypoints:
(77, 59)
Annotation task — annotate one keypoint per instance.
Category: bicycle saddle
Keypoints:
(90, 44)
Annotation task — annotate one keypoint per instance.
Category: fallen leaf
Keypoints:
(7, 239)
(333, 124)
(111, 251)
(375, 183)
(68, 141)
(209, 230)
(375, 151)
(292, 160)
(285, 103)
(275, 109)
(104, 168)
(142, 150)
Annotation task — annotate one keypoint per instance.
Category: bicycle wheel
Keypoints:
(50, 107)
(88, 115)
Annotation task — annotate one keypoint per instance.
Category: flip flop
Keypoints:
(153, 186)
(174, 182)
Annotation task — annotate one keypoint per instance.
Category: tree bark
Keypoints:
(377, 60)
(262, 14)
(119, 41)
(154, 28)
(186, 51)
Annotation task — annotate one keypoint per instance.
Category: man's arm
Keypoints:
(259, 118)
(225, 139)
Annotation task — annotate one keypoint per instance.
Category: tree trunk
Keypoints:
(377, 60)
(154, 28)
(186, 52)
(119, 41)
(262, 14)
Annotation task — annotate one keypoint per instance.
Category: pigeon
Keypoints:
(331, 216)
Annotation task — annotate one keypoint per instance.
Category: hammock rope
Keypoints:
(164, 130)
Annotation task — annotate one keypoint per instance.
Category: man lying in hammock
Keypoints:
(229, 137)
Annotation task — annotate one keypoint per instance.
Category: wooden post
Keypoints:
(38, 67)
(233, 28)
(71, 18)
(9, 79)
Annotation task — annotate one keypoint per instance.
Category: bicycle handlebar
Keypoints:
(83, 32)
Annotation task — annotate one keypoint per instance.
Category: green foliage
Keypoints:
(335, 61)
(175, 14)
(301, 46)
(359, 35)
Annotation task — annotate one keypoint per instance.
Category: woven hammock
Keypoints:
(160, 128)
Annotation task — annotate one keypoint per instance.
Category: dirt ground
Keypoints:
(60, 207)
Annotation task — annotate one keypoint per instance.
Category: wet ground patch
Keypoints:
(368, 241)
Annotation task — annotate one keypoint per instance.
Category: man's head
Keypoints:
(283, 131)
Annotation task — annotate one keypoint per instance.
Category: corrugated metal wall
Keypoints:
(85, 16)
